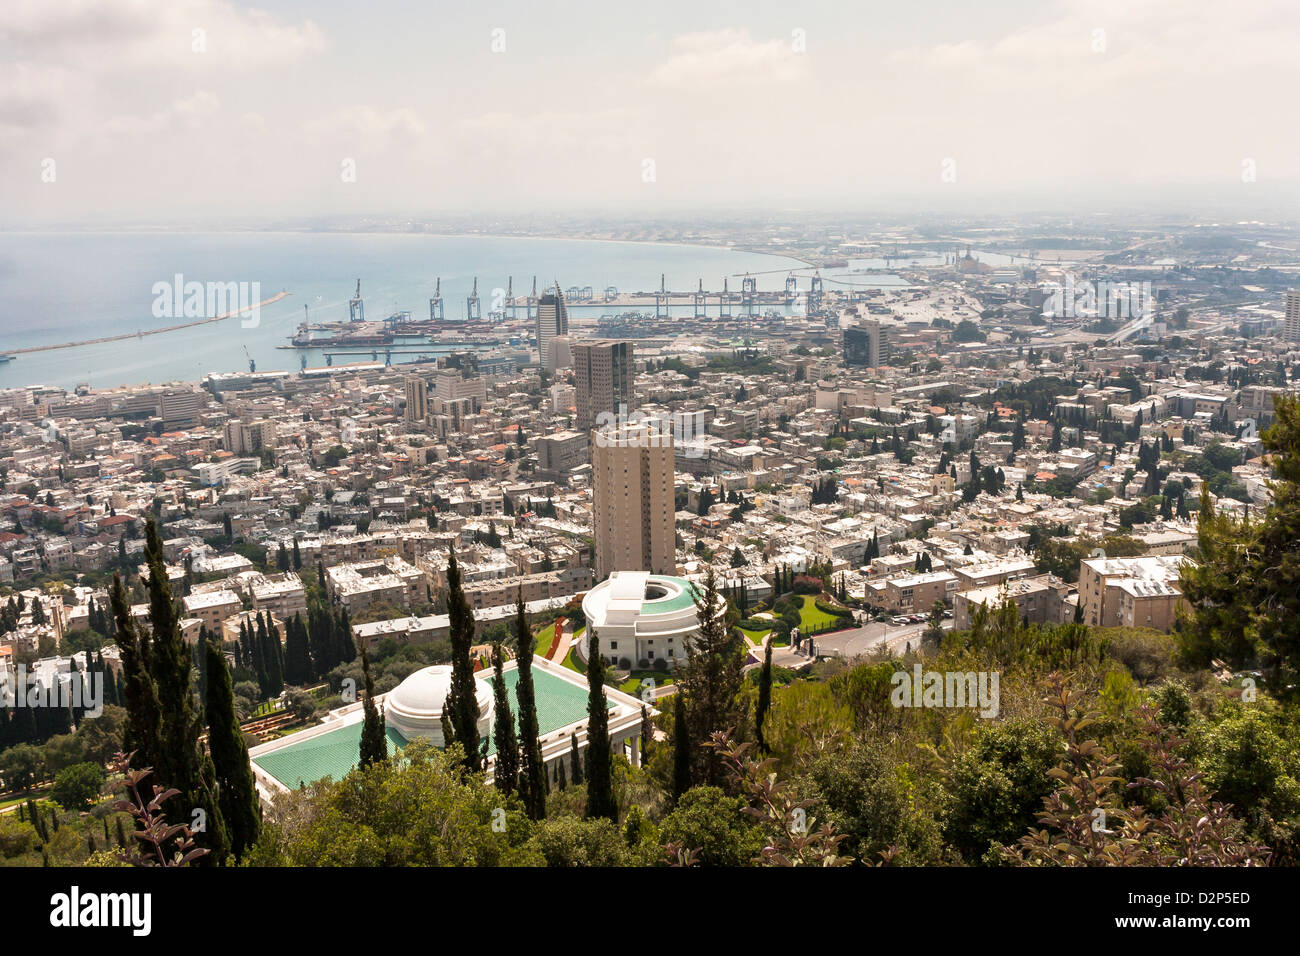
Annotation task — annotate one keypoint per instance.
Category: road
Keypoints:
(863, 640)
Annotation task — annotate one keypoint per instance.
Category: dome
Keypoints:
(414, 707)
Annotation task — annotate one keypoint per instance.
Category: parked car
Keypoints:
(899, 620)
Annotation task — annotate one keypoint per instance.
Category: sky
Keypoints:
(190, 111)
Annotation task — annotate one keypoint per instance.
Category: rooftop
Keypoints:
(311, 755)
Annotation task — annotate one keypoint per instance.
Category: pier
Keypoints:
(143, 332)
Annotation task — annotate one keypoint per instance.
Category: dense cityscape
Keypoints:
(860, 480)
(648, 439)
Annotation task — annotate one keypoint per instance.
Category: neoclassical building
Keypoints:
(640, 618)
(414, 709)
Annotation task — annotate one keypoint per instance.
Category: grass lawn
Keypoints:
(544, 638)
(573, 662)
(633, 684)
(811, 619)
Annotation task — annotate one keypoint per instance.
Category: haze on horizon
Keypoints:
(1064, 105)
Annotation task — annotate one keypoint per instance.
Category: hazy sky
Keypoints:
(766, 103)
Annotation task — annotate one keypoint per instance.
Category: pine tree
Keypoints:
(506, 775)
(374, 740)
(462, 699)
(236, 791)
(600, 765)
(532, 773)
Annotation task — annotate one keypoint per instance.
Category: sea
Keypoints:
(65, 287)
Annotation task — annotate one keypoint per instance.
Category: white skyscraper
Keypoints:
(552, 320)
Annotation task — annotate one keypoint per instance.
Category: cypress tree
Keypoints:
(681, 748)
(711, 678)
(181, 761)
(462, 698)
(37, 821)
(764, 695)
(236, 791)
(448, 732)
(575, 761)
(374, 740)
(532, 783)
(257, 636)
(140, 736)
(600, 766)
(347, 648)
(506, 776)
(646, 733)
(297, 657)
(274, 656)
(560, 778)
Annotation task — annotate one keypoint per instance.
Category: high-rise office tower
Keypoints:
(552, 320)
(1292, 328)
(417, 399)
(867, 344)
(604, 373)
(632, 478)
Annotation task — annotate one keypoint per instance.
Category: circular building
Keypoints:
(414, 707)
(641, 618)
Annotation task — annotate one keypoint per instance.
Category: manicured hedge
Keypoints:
(832, 609)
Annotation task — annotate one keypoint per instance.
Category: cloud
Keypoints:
(189, 113)
(113, 35)
(370, 126)
(729, 57)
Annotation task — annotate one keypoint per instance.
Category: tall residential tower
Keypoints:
(632, 478)
(604, 373)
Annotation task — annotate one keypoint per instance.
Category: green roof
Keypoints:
(334, 753)
(330, 754)
(683, 599)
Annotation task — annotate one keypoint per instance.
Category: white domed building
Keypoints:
(641, 618)
(414, 707)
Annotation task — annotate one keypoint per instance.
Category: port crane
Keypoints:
(357, 308)
(435, 304)
(252, 365)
